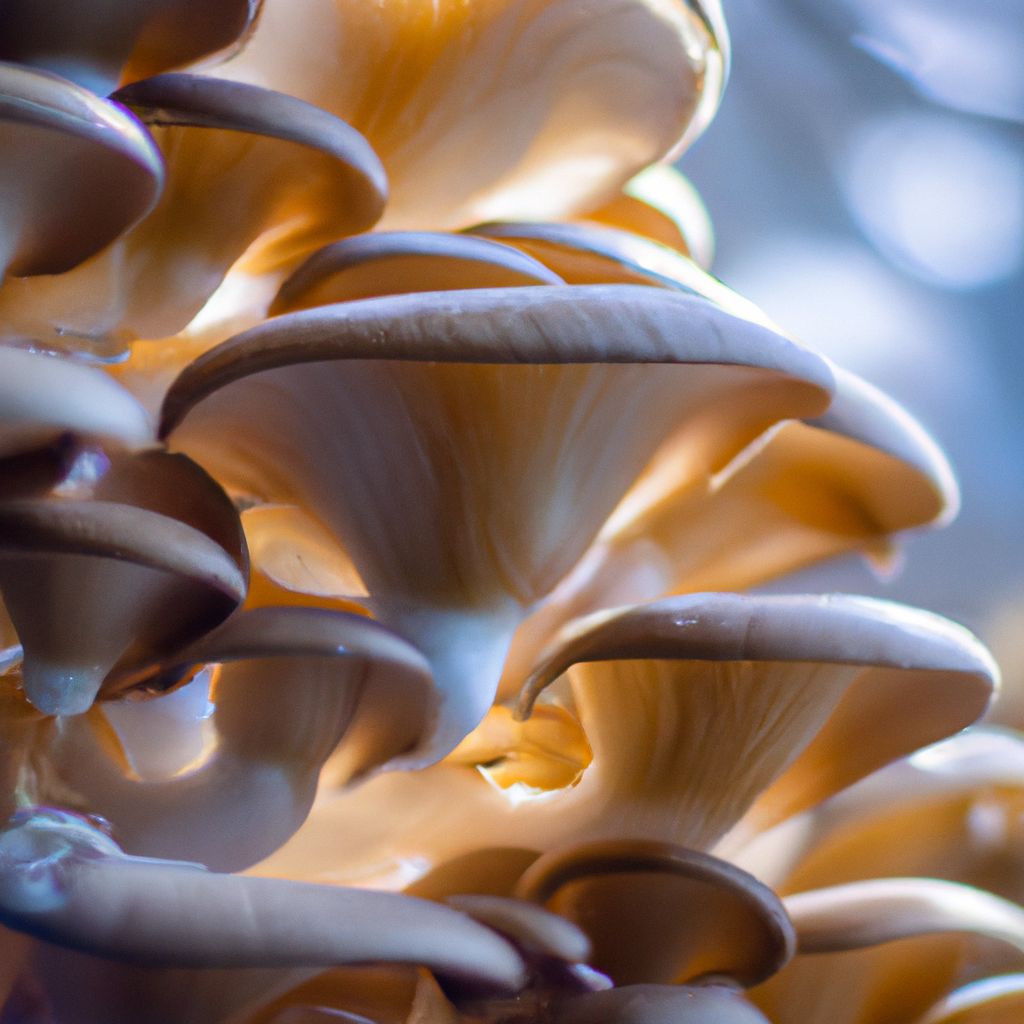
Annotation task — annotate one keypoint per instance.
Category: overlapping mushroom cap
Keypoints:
(489, 481)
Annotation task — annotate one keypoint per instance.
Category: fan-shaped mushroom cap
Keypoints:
(998, 1000)
(660, 1004)
(76, 172)
(845, 482)
(659, 913)
(293, 684)
(98, 44)
(245, 166)
(444, 437)
(152, 558)
(700, 711)
(516, 109)
(898, 944)
(397, 262)
(66, 883)
(43, 398)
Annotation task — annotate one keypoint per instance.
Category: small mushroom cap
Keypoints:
(43, 398)
(686, 915)
(98, 44)
(79, 891)
(397, 262)
(77, 172)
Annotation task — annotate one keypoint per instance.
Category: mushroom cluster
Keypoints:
(383, 477)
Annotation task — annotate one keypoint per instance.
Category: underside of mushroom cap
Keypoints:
(77, 172)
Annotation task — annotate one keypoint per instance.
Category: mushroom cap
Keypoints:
(686, 915)
(293, 686)
(250, 173)
(397, 262)
(43, 398)
(77, 172)
(515, 109)
(99, 44)
(473, 404)
(70, 885)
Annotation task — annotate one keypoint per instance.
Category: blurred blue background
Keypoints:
(865, 177)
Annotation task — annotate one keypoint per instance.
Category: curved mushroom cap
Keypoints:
(68, 884)
(997, 1000)
(701, 712)
(294, 685)
(397, 262)
(952, 810)
(98, 45)
(574, 101)
(660, 1004)
(443, 436)
(662, 205)
(847, 481)
(656, 913)
(249, 172)
(43, 398)
(592, 254)
(77, 172)
(107, 581)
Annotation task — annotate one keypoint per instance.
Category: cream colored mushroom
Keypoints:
(293, 684)
(658, 913)
(849, 481)
(249, 172)
(68, 884)
(99, 44)
(661, 1004)
(997, 1000)
(76, 173)
(396, 262)
(703, 713)
(148, 558)
(457, 442)
(516, 109)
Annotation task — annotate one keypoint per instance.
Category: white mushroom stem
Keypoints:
(67, 884)
(862, 914)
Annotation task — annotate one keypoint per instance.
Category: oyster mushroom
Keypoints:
(444, 437)
(396, 262)
(100, 44)
(69, 884)
(847, 481)
(661, 1004)
(689, 916)
(736, 713)
(76, 173)
(293, 684)
(243, 165)
(518, 109)
(149, 560)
